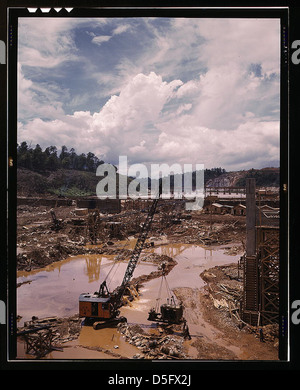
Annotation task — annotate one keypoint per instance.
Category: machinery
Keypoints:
(103, 306)
(56, 223)
(170, 312)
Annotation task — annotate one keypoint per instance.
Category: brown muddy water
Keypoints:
(54, 291)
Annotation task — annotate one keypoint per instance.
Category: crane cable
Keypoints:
(169, 293)
(116, 262)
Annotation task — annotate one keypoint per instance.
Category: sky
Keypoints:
(157, 90)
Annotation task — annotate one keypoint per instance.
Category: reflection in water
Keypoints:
(172, 250)
(92, 268)
(208, 256)
(55, 289)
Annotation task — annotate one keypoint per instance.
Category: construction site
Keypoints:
(147, 279)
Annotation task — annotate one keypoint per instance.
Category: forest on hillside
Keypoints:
(66, 172)
(38, 160)
(263, 177)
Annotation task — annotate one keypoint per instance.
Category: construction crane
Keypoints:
(103, 306)
(170, 312)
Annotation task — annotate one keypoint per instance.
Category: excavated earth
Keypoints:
(211, 312)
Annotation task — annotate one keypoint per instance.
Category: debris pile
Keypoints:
(153, 346)
(42, 256)
(270, 333)
(42, 336)
(234, 250)
(39, 245)
(201, 229)
(225, 290)
(267, 333)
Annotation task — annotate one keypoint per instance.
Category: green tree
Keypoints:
(90, 162)
(24, 156)
(66, 162)
(64, 152)
(82, 162)
(73, 159)
(38, 159)
(52, 161)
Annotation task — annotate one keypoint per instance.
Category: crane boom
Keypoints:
(137, 251)
(105, 305)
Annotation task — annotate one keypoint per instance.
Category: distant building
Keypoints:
(267, 216)
(239, 209)
(218, 208)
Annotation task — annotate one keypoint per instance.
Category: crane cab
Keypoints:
(94, 306)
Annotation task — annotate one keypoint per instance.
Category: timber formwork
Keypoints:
(250, 303)
(268, 260)
(260, 305)
(38, 342)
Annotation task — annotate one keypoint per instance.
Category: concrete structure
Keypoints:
(251, 217)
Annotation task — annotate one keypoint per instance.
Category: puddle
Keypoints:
(191, 261)
(108, 339)
(54, 291)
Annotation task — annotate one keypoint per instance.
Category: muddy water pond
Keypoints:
(54, 290)
(191, 261)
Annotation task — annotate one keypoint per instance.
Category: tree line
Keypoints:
(210, 174)
(50, 159)
(263, 178)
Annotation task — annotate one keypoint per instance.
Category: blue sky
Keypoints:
(158, 90)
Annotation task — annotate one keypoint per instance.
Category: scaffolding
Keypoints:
(250, 302)
(38, 340)
(268, 261)
(260, 303)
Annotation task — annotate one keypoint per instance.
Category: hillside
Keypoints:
(74, 183)
(265, 177)
(63, 182)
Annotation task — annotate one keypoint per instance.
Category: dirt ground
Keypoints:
(40, 244)
(212, 312)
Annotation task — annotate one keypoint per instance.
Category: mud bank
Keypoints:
(215, 333)
(219, 333)
(41, 257)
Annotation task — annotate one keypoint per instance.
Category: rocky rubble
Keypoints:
(42, 256)
(39, 245)
(224, 289)
(62, 330)
(208, 230)
(153, 346)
